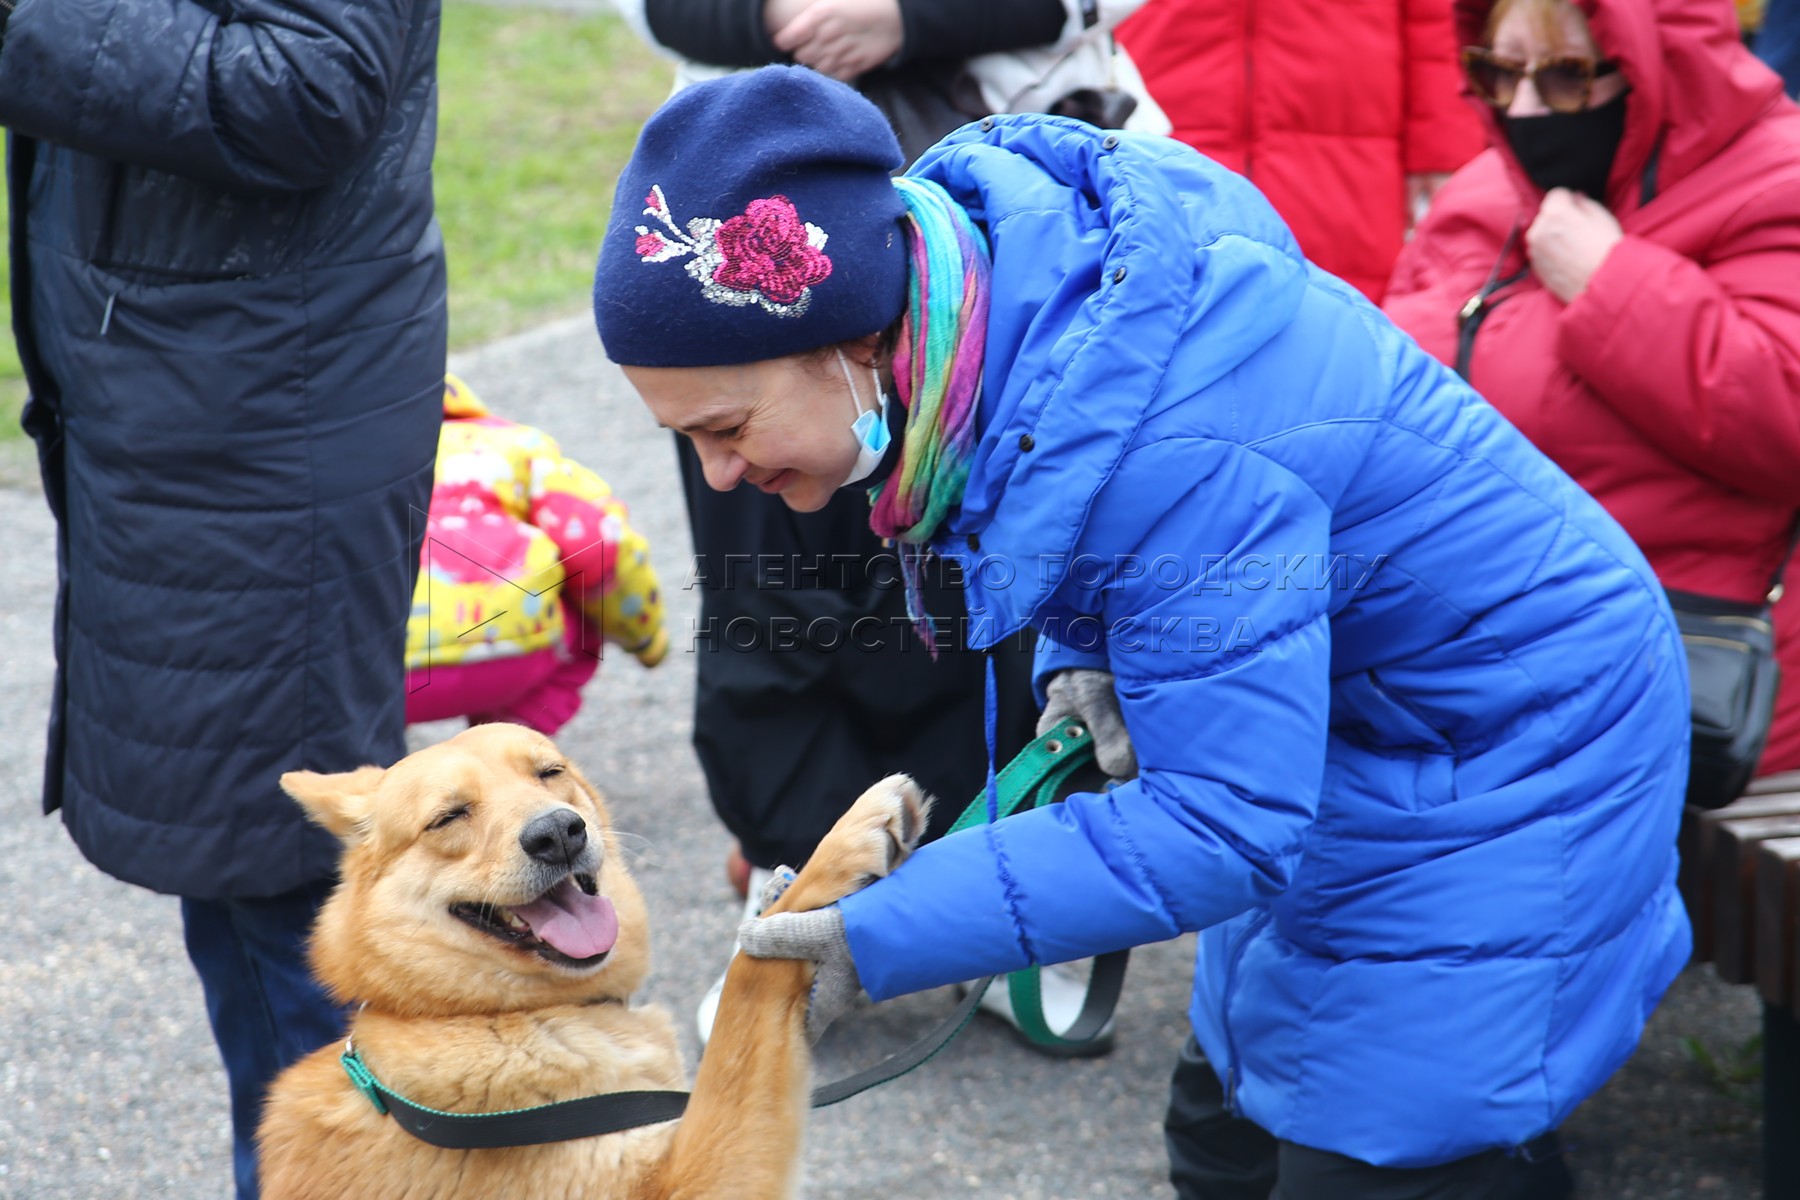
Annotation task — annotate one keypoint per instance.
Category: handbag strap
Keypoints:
(1475, 310)
(1774, 589)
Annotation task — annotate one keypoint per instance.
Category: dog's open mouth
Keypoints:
(571, 924)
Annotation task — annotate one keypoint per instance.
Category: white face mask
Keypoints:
(870, 429)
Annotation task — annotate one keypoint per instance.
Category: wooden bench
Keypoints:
(1740, 879)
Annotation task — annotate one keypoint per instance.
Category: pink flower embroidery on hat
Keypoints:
(767, 250)
(768, 256)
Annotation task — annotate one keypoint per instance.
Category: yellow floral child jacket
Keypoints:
(515, 530)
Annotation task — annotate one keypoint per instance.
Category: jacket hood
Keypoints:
(1109, 250)
(1694, 87)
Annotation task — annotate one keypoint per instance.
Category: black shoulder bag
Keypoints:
(1732, 678)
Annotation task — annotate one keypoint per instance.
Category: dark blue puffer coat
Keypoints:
(228, 292)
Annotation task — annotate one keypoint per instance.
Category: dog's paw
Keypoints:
(867, 842)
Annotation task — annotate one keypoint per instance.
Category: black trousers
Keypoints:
(1214, 1155)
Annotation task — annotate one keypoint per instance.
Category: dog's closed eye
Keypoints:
(551, 771)
(447, 816)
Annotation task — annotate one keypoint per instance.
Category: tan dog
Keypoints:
(488, 926)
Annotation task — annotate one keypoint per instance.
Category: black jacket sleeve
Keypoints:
(957, 29)
(729, 33)
(243, 94)
(726, 33)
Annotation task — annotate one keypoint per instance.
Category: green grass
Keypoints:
(12, 377)
(1736, 1071)
(537, 112)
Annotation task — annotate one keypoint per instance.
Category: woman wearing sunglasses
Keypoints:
(1620, 275)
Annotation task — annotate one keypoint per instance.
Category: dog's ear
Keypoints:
(339, 803)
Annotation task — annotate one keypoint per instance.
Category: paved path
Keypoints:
(109, 1086)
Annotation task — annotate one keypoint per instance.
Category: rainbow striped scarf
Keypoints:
(937, 373)
(937, 364)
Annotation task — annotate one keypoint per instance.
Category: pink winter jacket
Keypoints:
(1670, 387)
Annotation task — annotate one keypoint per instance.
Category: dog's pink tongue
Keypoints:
(570, 920)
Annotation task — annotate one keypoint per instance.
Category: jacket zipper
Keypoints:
(1231, 965)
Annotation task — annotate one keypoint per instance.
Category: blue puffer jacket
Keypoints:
(228, 292)
(1410, 710)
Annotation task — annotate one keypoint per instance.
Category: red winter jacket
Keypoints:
(1326, 106)
(1670, 388)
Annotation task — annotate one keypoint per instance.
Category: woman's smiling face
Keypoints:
(782, 425)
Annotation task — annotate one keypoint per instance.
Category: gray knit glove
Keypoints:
(1089, 698)
(816, 937)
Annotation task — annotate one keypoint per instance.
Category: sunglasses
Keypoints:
(1563, 81)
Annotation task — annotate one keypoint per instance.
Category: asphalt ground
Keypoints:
(110, 1086)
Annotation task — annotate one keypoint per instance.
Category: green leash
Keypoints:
(1058, 764)
(1053, 766)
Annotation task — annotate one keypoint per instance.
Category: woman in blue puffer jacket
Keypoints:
(1408, 709)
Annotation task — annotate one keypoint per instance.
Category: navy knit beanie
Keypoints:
(756, 219)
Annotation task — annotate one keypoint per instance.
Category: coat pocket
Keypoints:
(1393, 753)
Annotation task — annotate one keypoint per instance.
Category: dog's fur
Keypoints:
(465, 1018)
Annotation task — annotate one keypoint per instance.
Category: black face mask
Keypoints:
(1569, 150)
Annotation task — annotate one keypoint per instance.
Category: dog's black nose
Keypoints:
(555, 837)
